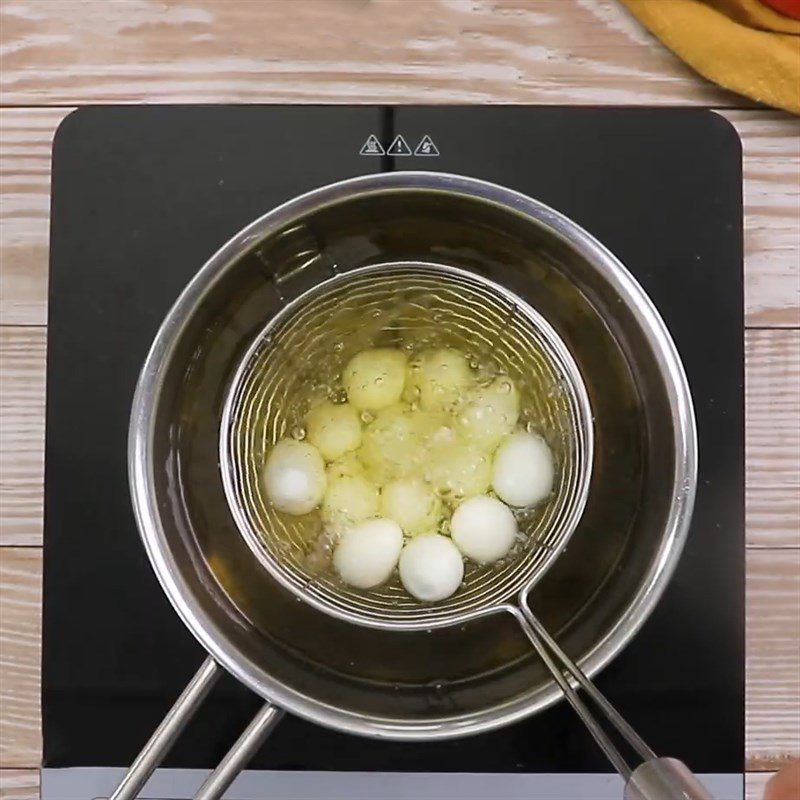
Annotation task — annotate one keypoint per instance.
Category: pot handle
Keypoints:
(167, 733)
(239, 755)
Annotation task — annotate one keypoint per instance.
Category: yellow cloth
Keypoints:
(743, 45)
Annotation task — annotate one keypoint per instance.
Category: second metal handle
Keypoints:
(167, 733)
(239, 755)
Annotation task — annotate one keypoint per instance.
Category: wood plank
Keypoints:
(19, 784)
(20, 648)
(773, 657)
(22, 419)
(773, 516)
(754, 784)
(771, 144)
(772, 375)
(70, 52)
(773, 436)
(26, 139)
(772, 431)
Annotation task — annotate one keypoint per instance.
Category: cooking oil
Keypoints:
(485, 661)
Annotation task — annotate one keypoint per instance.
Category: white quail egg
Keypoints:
(374, 379)
(333, 429)
(440, 377)
(412, 504)
(459, 469)
(348, 500)
(431, 568)
(523, 471)
(348, 464)
(483, 529)
(394, 443)
(490, 414)
(294, 476)
(367, 553)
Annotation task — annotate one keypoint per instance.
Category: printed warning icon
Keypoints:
(399, 147)
(372, 147)
(426, 147)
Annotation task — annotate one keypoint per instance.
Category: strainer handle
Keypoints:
(655, 778)
(664, 779)
(167, 733)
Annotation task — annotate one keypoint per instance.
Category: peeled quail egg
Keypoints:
(441, 436)
(367, 553)
(374, 378)
(440, 377)
(431, 568)
(333, 429)
(483, 529)
(412, 504)
(294, 476)
(490, 413)
(348, 465)
(348, 500)
(394, 443)
(459, 469)
(523, 470)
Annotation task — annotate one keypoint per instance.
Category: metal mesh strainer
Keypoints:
(299, 355)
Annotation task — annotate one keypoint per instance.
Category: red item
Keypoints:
(789, 7)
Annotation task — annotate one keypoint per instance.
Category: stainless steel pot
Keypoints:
(411, 685)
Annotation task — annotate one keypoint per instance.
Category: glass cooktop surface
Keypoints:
(143, 196)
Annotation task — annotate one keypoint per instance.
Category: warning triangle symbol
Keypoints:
(372, 147)
(426, 147)
(399, 147)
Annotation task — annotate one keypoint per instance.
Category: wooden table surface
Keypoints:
(58, 54)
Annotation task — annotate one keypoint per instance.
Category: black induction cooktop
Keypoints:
(143, 196)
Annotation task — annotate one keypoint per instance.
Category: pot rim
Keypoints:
(212, 636)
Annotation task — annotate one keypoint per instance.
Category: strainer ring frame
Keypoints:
(427, 619)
